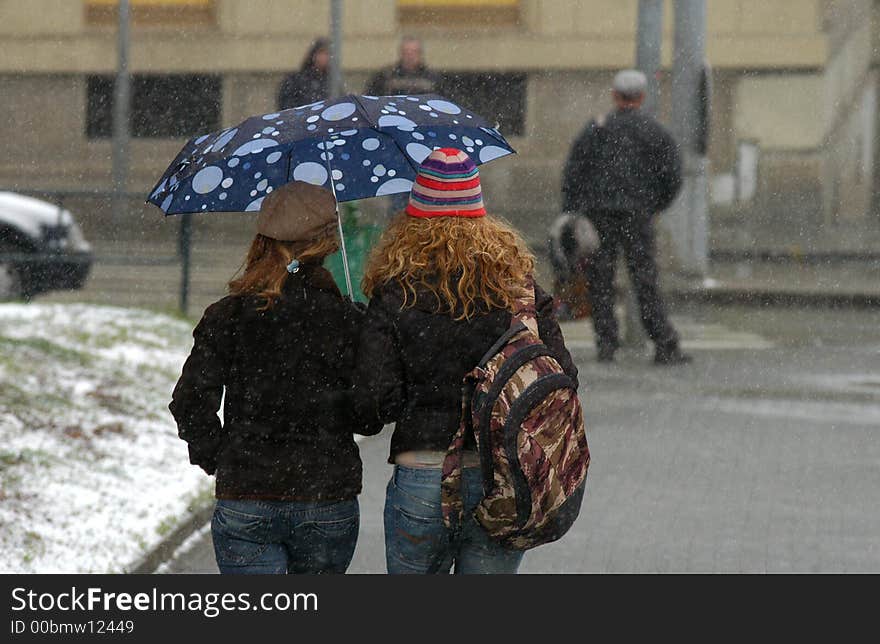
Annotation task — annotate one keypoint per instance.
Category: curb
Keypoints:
(759, 297)
(150, 561)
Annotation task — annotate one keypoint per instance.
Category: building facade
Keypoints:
(793, 116)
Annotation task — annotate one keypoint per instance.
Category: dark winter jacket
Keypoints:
(630, 163)
(396, 80)
(281, 437)
(303, 87)
(411, 362)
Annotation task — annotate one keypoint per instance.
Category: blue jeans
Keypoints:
(415, 534)
(279, 537)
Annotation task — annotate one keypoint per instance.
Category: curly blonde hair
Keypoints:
(264, 269)
(463, 262)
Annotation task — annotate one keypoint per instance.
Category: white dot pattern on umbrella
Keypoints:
(400, 122)
(361, 161)
(492, 152)
(255, 146)
(444, 106)
(339, 111)
(224, 138)
(394, 186)
(207, 179)
(418, 152)
(310, 172)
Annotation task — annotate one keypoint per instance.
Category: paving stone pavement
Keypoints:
(761, 456)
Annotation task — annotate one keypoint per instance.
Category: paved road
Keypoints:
(762, 456)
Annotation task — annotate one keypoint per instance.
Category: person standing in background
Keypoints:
(410, 75)
(621, 172)
(312, 82)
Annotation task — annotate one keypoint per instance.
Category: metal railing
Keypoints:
(61, 198)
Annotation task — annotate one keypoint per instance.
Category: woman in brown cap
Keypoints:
(282, 345)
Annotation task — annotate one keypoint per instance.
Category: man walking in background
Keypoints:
(622, 171)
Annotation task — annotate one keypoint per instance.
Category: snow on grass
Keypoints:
(92, 473)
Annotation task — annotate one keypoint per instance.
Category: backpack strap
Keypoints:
(450, 481)
(524, 311)
(451, 502)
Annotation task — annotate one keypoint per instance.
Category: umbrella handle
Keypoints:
(339, 222)
(344, 254)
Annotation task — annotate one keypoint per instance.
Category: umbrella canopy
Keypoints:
(356, 146)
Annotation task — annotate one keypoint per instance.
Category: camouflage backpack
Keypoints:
(528, 423)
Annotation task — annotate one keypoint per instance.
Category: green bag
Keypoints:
(360, 237)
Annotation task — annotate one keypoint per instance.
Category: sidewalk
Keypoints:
(787, 283)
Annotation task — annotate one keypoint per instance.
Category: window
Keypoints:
(161, 105)
(460, 13)
(498, 96)
(156, 12)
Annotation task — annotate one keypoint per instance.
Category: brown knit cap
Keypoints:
(297, 211)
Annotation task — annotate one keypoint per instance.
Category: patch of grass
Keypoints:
(10, 458)
(33, 546)
(174, 312)
(8, 480)
(166, 526)
(50, 350)
(32, 409)
(110, 401)
(194, 500)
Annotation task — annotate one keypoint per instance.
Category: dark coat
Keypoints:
(396, 80)
(411, 362)
(280, 438)
(630, 163)
(303, 87)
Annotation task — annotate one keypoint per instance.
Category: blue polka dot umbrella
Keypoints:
(356, 146)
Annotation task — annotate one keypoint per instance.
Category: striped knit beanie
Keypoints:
(447, 185)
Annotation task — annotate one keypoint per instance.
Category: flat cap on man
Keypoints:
(630, 83)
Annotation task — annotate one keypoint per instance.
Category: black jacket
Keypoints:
(411, 362)
(396, 80)
(630, 163)
(302, 88)
(281, 437)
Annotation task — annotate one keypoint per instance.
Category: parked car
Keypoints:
(41, 248)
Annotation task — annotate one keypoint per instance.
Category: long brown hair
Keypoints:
(461, 261)
(265, 267)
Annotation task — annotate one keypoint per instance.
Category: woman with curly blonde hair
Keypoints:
(442, 281)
